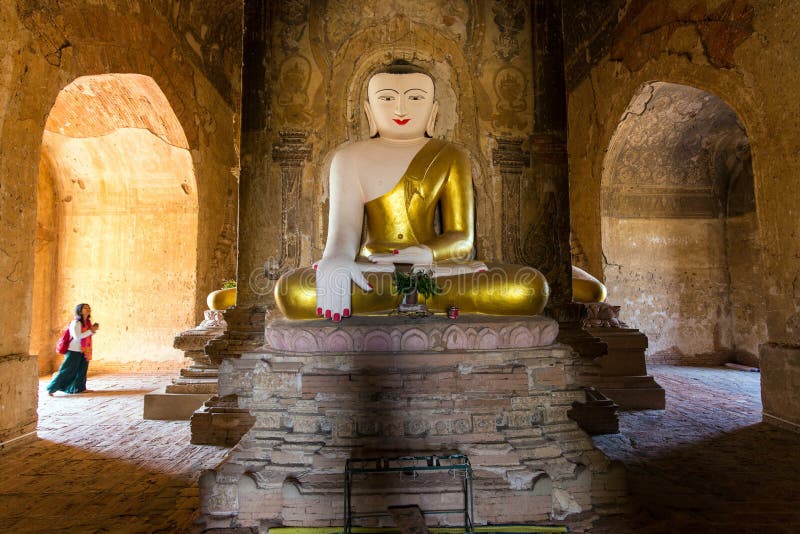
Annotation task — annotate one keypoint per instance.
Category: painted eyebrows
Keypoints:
(405, 92)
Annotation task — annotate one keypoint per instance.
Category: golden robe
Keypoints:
(439, 175)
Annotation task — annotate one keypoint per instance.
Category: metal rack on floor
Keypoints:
(456, 465)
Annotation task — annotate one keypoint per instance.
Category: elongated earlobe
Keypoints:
(373, 127)
(432, 119)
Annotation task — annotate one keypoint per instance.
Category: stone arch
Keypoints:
(142, 42)
(591, 128)
(679, 229)
(117, 220)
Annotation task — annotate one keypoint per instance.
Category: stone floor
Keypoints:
(98, 467)
(704, 465)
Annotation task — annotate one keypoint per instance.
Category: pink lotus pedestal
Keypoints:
(495, 389)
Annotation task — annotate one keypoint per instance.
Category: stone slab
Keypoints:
(622, 363)
(626, 351)
(165, 406)
(211, 373)
(621, 338)
(220, 422)
(207, 388)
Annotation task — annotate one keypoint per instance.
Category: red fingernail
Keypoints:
(319, 312)
(481, 270)
(395, 251)
(327, 314)
(315, 267)
(370, 285)
(346, 312)
(336, 317)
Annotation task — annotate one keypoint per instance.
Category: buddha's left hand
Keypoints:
(414, 254)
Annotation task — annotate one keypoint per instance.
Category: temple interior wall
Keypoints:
(739, 52)
(192, 53)
(650, 274)
(746, 293)
(113, 250)
(744, 53)
(679, 235)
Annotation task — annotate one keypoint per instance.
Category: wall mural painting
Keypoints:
(293, 16)
(293, 102)
(669, 156)
(509, 15)
(510, 87)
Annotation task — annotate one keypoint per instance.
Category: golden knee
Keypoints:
(588, 291)
(296, 294)
(502, 290)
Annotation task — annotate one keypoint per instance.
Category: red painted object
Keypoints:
(63, 342)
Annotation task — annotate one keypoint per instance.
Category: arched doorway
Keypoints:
(680, 235)
(117, 223)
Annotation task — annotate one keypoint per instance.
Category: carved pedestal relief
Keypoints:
(512, 161)
(291, 154)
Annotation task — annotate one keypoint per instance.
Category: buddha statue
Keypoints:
(398, 182)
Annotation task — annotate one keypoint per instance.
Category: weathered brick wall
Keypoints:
(737, 51)
(505, 409)
(19, 396)
(192, 53)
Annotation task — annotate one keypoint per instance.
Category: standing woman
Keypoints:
(71, 377)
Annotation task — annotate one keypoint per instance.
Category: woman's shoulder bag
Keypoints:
(63, 342)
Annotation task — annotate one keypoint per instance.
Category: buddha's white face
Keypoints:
(401, 104)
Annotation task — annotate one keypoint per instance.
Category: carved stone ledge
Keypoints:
(195, 340)
(395, 334)
(213, 320)
(621, 374)
(245, 333)
(220, 422)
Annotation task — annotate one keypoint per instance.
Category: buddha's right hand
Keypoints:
(333, 284)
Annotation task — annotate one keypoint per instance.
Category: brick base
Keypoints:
(504, 409)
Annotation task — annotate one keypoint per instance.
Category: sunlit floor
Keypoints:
(99, 467)
(706, 464)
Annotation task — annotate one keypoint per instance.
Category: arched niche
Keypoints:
(117, 222)
(679, 227)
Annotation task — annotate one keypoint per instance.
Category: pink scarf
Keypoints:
(86, 343)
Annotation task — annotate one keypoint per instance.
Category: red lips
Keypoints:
(401, 121)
